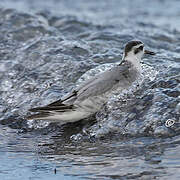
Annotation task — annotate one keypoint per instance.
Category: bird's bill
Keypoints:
(149, 52)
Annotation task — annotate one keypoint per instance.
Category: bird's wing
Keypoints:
(92, 87)
(61, 105)
(105, 82)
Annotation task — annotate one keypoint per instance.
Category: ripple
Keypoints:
(45, 47)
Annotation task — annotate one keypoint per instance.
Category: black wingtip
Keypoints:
(34, 109)
(56, 103)
(49, 108)
(38, 116)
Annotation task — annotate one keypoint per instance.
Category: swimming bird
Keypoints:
(89, 97)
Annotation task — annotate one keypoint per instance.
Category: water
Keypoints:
(48, 46)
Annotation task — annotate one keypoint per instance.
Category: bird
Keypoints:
(90, 96)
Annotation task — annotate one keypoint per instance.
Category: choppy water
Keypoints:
(46, 46)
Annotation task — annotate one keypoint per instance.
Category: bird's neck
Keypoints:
(135, 62)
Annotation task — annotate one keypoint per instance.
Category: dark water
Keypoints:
(46, 46)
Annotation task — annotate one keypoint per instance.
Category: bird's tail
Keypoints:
(58, 113)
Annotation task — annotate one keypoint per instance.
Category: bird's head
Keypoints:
(134, 51)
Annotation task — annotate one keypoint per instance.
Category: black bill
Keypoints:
(149, 52)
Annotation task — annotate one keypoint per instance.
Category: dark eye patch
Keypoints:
(138, 49)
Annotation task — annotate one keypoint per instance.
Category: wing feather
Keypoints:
(95, 86)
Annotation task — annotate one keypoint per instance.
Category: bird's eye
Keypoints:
(138, 49)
